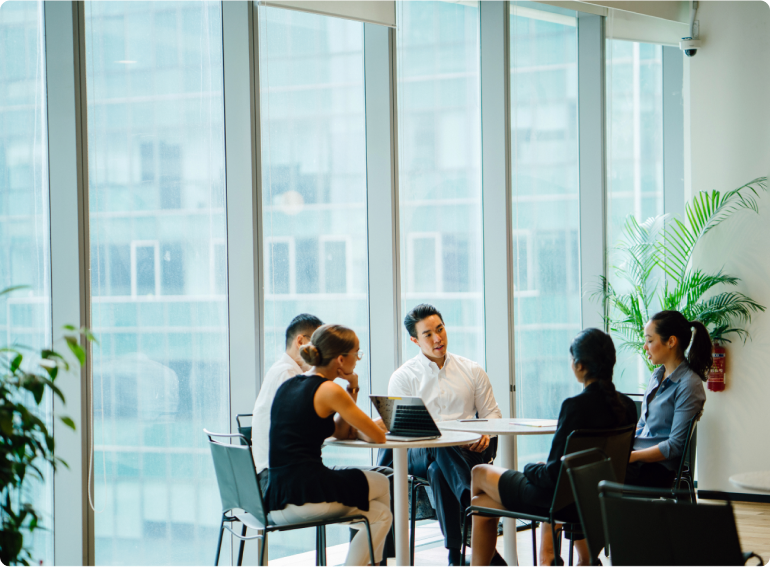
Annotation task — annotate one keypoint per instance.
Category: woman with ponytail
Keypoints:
(306, 410)
(598, 406)
(682, 351)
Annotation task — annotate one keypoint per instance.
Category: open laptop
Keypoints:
(406, 418)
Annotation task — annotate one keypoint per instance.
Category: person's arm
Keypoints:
(399, 384)
(649, 455)
(486, 405)
(331, 398)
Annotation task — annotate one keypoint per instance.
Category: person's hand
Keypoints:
(381, 424)
(540, 463)
(351, 379)
(480, 445)
(634, 457)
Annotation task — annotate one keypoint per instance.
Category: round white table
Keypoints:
(507, 429)
(401, 477)
(758, 480)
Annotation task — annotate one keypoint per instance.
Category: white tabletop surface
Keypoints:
(447, 439)
(501, 426)
(758, 480)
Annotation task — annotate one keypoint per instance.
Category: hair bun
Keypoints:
(310, 354)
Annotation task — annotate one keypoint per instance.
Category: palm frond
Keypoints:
(706, 212)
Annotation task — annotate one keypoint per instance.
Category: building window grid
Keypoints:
(150, 173)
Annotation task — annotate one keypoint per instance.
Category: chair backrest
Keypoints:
(236, 475)
(637, 399)
(615, 443)
(688, 451)
(584, 479)
(652, 531)
(244, 428)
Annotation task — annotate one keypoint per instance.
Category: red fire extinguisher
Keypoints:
(716, 381)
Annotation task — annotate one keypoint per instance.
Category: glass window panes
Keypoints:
(25, 254)
(313, 195)
(634, 161)
(439, 128)
(158, 279)
(546, 211)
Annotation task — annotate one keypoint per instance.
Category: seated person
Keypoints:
(452, 387)
(675, 394)
(306, 410)
(289, 365)
(598, 406)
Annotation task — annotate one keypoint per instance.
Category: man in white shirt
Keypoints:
(452, 387)
(288, 366)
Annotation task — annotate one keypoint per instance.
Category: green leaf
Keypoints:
(76, 349)
(16, 362)
(68, 422)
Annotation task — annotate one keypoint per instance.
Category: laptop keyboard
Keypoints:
(413, 421)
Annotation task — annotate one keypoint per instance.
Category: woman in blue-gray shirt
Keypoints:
(682, 351)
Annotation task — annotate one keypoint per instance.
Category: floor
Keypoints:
(753, 522)
(752, 519)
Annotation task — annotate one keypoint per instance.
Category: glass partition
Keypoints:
(314, 196)
(25, 253)
(158, 293)
(546, 211)
(634, 160)
(439, 144)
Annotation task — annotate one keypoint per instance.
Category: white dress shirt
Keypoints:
(284, 368)
(458, 390)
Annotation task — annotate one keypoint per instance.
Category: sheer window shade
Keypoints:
(382, 12)
(663, 23)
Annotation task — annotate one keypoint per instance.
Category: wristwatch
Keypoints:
(352, 391)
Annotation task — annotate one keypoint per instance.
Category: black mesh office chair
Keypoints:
(245, 427)
(242, 500)
(584, 479)
(643, 526)
(684, 472)
(615, 443)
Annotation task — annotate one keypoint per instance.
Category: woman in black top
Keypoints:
(306, 410)
(598, 406)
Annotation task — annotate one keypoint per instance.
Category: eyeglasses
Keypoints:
(359, 355)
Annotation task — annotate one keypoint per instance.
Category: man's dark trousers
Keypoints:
(448, 469)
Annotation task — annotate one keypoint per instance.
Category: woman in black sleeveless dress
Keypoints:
(598, 406)
(306, 410)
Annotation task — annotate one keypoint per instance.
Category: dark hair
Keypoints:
(417, 314)
(688, 333)
(595, 351)
(301, 324)
(327, 343)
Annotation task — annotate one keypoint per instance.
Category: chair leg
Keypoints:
(240, 551)
(571, 551)
(371, 545)
(412, 519)
(320, 545)
(466, 520)
(262, 548)
(534, 543)
(219, 542)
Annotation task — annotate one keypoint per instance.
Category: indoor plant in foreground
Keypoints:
(26, 445)
(654, 268)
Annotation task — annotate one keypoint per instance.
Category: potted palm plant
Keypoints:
(26, 444)
(654, 270)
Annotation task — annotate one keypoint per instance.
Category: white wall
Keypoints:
(729, 144)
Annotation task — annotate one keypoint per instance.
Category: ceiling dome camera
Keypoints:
(689, 46)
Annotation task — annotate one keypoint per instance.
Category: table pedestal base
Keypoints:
(507, 445)
(401, 505)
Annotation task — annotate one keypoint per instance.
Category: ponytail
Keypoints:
(692, 336)
(595, 351)
(699, 355)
